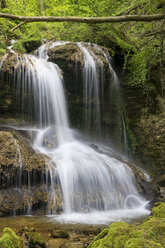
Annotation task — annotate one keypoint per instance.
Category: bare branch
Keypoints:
(124, 18)
(154, 33)
(127, 12)
(20, 24)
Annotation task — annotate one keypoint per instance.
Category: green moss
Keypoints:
(159, 211)
(141, 242)
(2, 51)
(118, 234)
(35, 240)
(99, 236)
(122, 235)
(9, 239)
(18, 46)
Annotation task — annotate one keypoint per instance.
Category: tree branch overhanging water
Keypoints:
(90, 20)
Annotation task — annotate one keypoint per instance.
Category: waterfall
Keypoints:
(96, 187)
(91, 91)
(42, 83)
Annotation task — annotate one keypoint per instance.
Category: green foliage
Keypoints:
(2, 48)
(9, 239)
(35, 240)
(131, 40)
(17, 46)
(2, 51)
(140, 66)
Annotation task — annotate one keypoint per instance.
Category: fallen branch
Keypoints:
(126, 12)
(20, 24)
(153, 33)
(124, 18)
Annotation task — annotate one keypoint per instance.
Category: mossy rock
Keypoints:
(35, 240)
(159, 210)
(118, 234)
(72, 245)
(9, 239)
(141, 242)
(63, 234)
(122, 235)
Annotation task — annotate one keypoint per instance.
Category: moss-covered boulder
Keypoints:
(9, 239)
(122, 235)
(159, 210)
(141, 242)
(35, 240)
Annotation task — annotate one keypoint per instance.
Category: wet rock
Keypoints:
(35, 240)
(21, 201)
(72, 245)
(146, 185)
(24, 177)
(63, 234)
(10, 109)
(91, 231)
(161, 181)
(18, 159)
(31, 45)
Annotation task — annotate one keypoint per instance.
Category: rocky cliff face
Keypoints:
(146, 122)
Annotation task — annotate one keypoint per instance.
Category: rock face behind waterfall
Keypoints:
(22, 175)
(70, 59)
(10, 94)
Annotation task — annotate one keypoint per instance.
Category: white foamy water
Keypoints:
(102, 217)
(91, 90)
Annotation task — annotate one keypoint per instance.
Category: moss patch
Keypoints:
(122, 235)
(9, 239)
(35, 240)
(159, 210)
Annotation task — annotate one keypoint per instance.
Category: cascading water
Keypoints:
(96, 187)
(91, 91)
